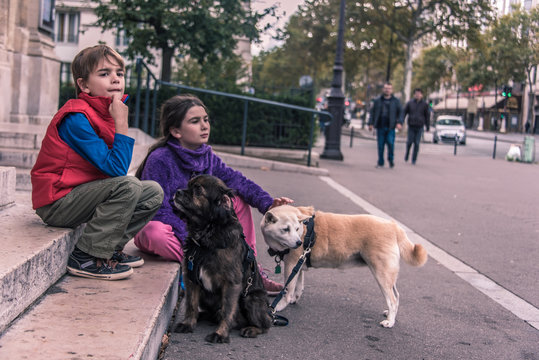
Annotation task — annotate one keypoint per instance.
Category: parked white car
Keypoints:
(447, 127)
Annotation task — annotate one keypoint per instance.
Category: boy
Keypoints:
(80, 173)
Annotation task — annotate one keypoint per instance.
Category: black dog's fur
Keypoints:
(217, 264)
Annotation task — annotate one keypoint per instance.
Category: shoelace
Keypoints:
(108, 264)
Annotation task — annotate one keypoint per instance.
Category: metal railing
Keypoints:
(148, 123)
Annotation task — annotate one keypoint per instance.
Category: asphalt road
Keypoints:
(482, 212)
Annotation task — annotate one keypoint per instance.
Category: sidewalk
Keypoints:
(441, 316)
(401, 137)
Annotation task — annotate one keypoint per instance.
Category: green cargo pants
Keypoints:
(114, 210)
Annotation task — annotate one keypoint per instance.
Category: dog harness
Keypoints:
(194, 263)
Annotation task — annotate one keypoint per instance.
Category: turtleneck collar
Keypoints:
(196, 161)
(100, 104)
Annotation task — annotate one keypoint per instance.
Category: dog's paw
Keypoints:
(183, 328)
(250, 332)
(216, 338)
(387, 323)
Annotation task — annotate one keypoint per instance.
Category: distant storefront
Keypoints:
(485, 111)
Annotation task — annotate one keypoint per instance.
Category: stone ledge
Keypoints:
(86, 318)
(126, 318)
(252, 162)
(7, 187)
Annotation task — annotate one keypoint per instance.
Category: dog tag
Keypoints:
(278, 269)
(190, 265)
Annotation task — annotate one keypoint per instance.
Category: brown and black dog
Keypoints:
(220, 272)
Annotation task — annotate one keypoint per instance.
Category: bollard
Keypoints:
(455, 148)
(494, 152)
(351, 135)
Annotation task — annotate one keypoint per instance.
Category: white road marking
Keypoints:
(518, 306)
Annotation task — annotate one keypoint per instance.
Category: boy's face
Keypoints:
(107, 80)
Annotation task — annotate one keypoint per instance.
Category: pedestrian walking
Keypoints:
(80, 175)
(385, 116)
(418, 113)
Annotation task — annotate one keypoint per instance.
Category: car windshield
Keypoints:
(450, 122)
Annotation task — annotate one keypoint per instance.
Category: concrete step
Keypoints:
(47, 314)
(20, 141)
(32, 257)
(21, 136)
(24, 182)
(20, 158)
(7, 187)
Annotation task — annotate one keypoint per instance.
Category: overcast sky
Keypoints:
(285, 8)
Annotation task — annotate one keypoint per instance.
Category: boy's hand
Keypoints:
(119, 111)
(281, 201)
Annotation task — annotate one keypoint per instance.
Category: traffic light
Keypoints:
(507, 91)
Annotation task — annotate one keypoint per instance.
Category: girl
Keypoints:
(181, 154)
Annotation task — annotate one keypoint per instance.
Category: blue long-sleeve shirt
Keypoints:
(77, 132)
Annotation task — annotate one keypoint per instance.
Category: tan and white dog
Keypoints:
(341, 240)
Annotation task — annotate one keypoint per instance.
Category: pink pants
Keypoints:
(158, 238)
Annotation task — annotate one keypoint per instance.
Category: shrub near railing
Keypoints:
(267, 126)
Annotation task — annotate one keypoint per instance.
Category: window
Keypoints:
(67, 27)
(121, 39)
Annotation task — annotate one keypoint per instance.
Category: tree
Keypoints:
(413, 20)
(515, 42)
(310, 40)
(204, 30)
(434, 67)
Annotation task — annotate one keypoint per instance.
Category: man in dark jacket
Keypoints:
(418, 117)
(385, 115)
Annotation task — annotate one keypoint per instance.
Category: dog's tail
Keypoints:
(412, 254)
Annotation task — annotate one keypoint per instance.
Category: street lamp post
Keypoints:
(332, 147)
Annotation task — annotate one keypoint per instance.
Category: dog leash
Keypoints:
(279, 320)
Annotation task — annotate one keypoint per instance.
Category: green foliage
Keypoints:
(219, 76)
(267, 125)
(205, 30)
(507, 51)
(434, 68)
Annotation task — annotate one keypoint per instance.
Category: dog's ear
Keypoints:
(225, 202)
(269, 218)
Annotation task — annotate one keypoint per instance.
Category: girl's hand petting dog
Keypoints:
(281, 201)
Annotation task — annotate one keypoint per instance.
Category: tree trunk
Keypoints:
(408, 71)
(166, 64)
(531, 96)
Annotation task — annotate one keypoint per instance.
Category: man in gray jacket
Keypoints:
(385, 116)
(418, 117)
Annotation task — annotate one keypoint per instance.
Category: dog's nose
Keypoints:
(298, 243)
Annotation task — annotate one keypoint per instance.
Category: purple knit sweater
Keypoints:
(172, 166)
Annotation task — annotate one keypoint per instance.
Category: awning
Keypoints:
(486, 101)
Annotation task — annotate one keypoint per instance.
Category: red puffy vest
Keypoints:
(58, 168)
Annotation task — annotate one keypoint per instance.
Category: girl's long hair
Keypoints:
(173, 112)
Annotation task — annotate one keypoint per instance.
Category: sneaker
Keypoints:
(88, 266)
(391, 164)
(126, 259)
(272, 288)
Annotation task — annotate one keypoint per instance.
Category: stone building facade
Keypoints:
(29, 67)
